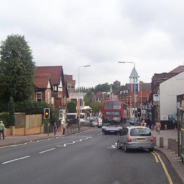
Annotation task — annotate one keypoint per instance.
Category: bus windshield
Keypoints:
(111, 121)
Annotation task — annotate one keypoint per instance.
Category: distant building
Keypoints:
(117, 83)
(50, 86)
(70, 83)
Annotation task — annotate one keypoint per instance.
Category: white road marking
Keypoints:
(114, 146)
(15, 159)
(64, 145)
(47, 150)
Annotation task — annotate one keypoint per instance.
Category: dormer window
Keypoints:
(55, 88)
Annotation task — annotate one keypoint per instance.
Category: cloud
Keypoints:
(74, 33)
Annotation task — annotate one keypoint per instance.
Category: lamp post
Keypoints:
(133, 81)
(79, 111)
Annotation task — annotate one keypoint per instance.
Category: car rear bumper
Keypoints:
(140, 145)
(111, 130)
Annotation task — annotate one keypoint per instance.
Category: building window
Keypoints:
(54, 88)
(73, 86)
(68, 86)
(38, 96)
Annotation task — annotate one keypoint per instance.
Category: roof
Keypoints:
(55, 72)
(41, 81)
(178, 69)
(134, 73)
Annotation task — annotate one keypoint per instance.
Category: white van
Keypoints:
(99, 121)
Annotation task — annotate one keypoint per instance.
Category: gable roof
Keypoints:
(134, 73)
(41, 81)
(178, 69)
(55, 72)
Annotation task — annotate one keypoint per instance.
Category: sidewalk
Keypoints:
(171, 156)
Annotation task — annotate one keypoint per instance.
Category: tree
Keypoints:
(71, 107)
(96, 107)
(16, 69)
(87, 98)
(102, 87)
(11, 107)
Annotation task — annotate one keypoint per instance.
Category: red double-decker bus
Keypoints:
(112, 117)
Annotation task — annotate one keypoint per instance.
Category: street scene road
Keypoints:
(86, 158)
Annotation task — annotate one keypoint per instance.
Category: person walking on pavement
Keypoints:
(158, 126)
(2, 127)
(64, 128)
(55, 128)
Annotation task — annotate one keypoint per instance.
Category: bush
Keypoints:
(4, 116)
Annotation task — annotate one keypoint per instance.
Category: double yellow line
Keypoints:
(157, 159)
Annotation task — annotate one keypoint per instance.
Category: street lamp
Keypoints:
(134, 82)
(79, 111)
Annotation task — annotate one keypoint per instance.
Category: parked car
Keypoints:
(132, 122)
(135, 137)
(94, 123)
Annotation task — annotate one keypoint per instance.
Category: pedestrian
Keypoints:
(64, 128)
(55, 128)
(2, 127)
(158, 126)
(143, 123)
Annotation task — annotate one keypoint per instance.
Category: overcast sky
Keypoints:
(99, 33)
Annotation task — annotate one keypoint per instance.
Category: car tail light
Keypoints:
(152, 139)
(129, 139)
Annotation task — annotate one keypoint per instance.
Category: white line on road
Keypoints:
(64, 145)
(15, 160)
(47, 150)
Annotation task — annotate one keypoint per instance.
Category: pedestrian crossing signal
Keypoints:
(46, 113)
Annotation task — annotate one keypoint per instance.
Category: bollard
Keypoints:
(176, 147)
(173, 145)
(161, 142)
(165, 126)
(155, 141)
(169, 143)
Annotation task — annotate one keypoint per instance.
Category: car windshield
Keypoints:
(140, 132)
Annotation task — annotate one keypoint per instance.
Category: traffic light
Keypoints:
(139, 112)
(46, 113)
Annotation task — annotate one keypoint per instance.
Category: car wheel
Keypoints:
(151, 150)
(125, 148)
(118, 145)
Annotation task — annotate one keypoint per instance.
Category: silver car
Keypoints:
(136, 137)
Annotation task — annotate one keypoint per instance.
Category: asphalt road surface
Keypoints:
(84, 158)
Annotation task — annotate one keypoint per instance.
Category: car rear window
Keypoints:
(140, 132)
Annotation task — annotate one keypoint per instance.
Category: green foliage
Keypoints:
(102, 87)
(96, 107)
(11, 108)
(16, 69)
(31, 107)
(71, 107)
(88, 99)
(4, 116)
